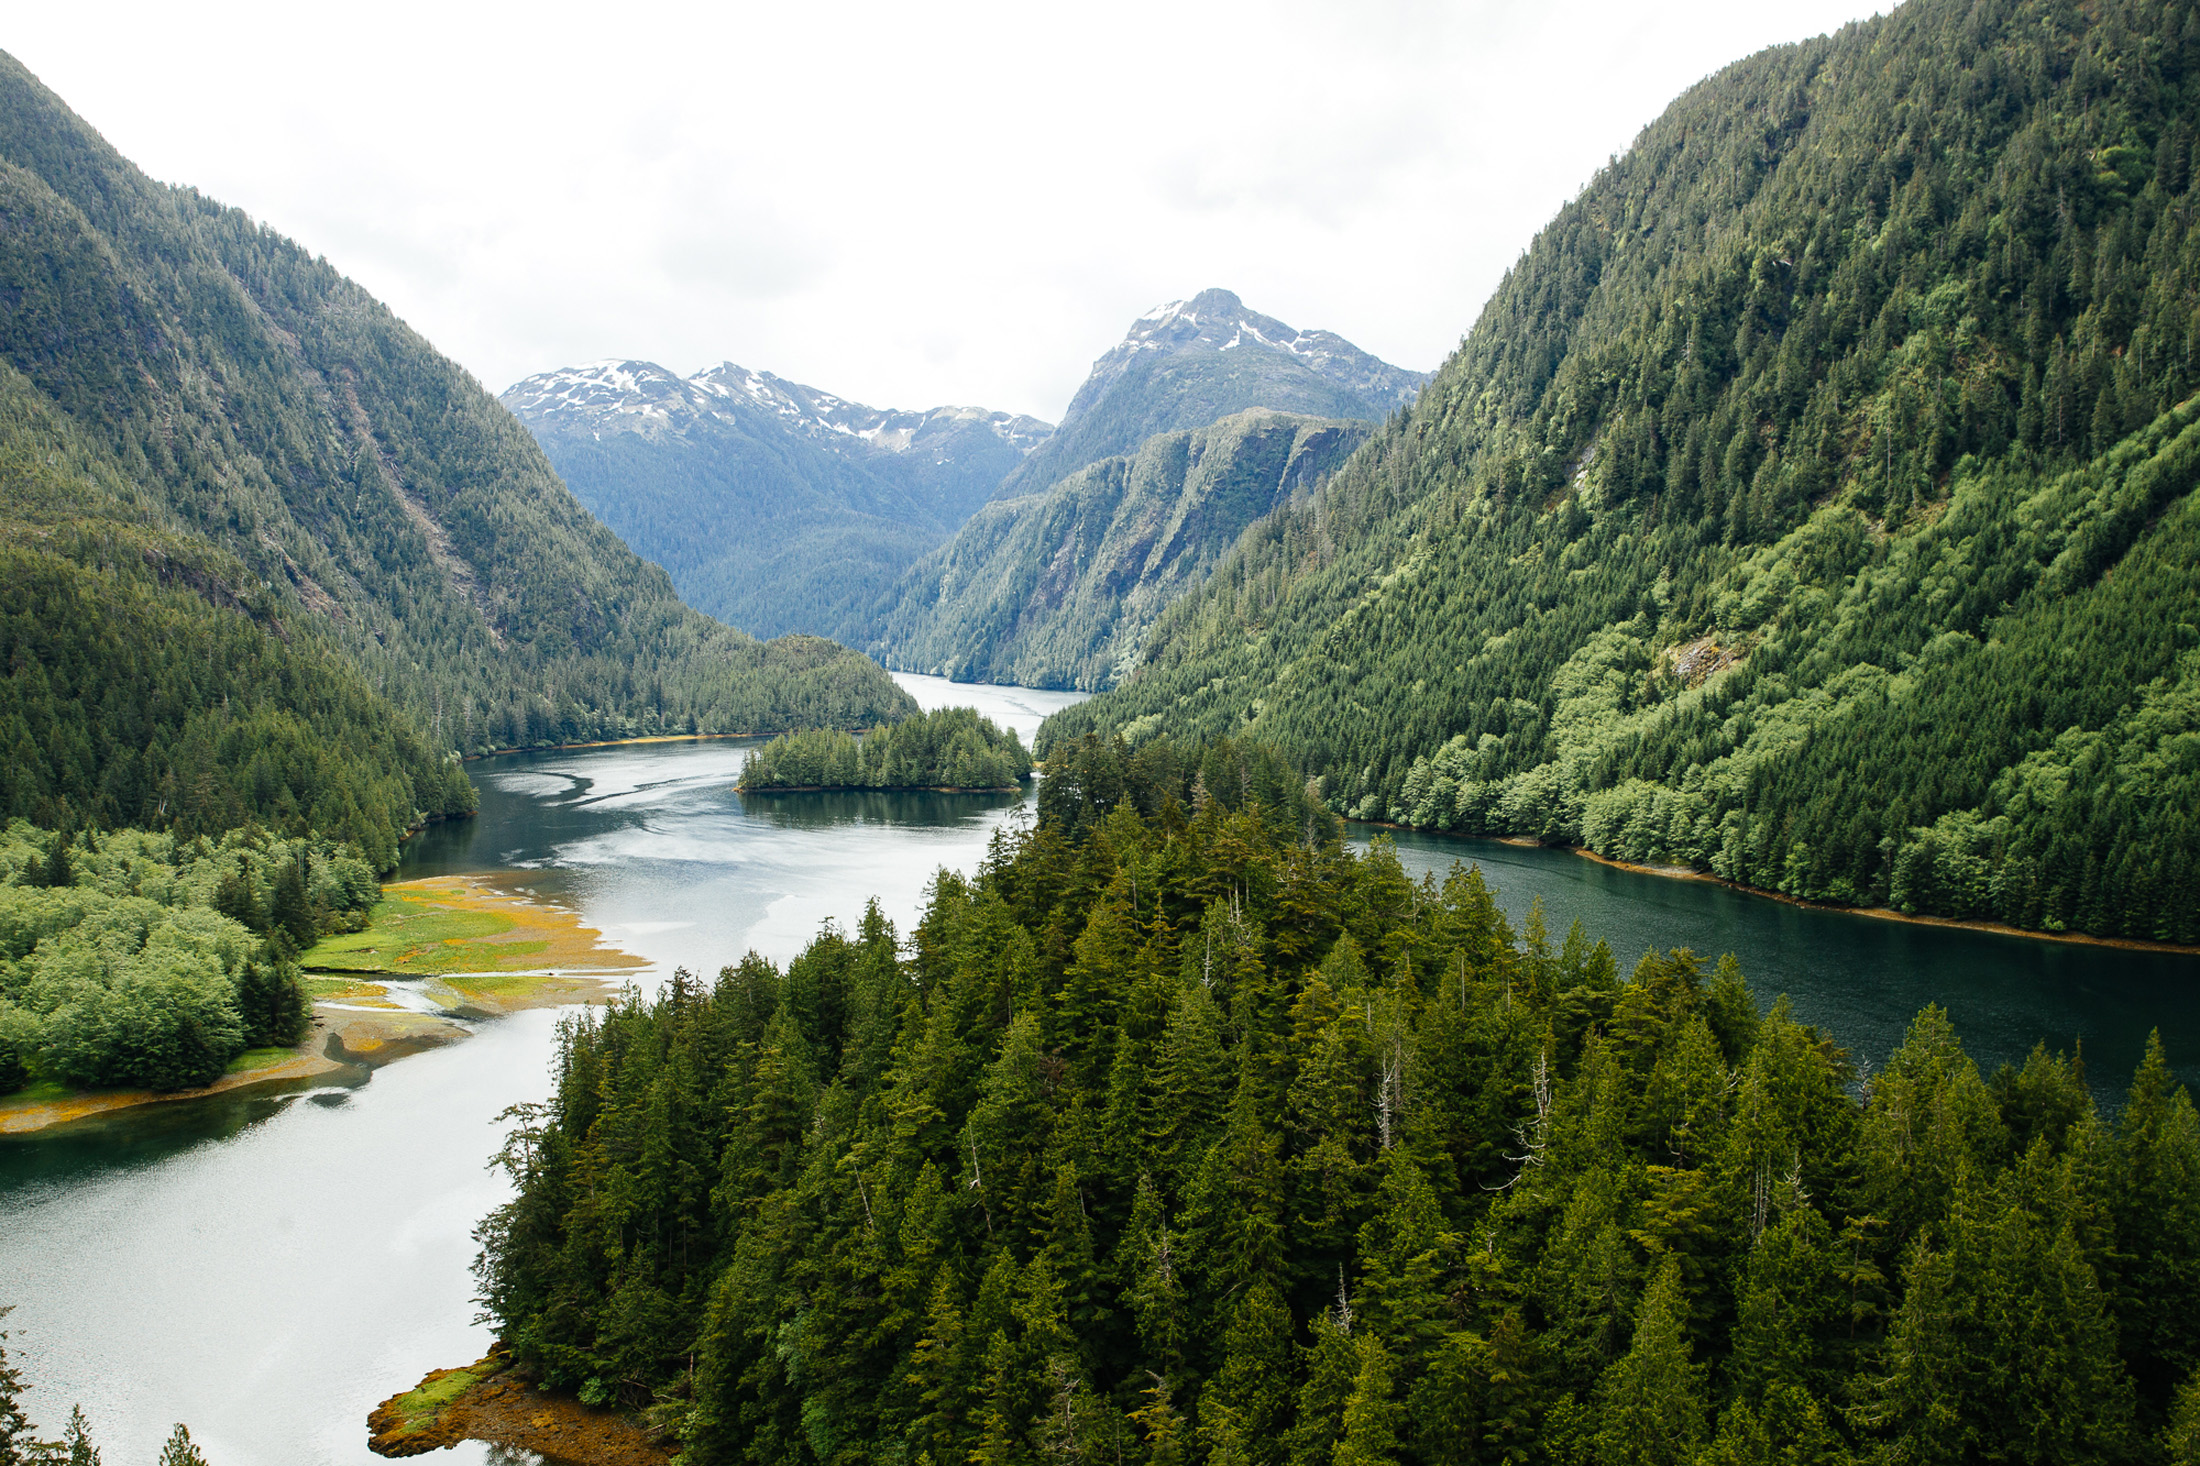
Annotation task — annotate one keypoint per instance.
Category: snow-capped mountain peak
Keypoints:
(1217, 321)
(625, 396)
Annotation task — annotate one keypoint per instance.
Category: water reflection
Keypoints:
(1859, 978)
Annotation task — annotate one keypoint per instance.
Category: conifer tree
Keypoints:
(1651, 1400)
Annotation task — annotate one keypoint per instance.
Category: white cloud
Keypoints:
(907, 205)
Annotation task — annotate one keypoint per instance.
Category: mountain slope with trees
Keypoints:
(251, 399)
(776, 506)
(1813, 503)
(1058, 588)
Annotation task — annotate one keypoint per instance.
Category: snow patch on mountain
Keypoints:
(614, 396)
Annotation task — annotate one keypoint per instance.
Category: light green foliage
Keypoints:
(950, 748)
(162, 959)
(1813, 504)
(1191, 1134)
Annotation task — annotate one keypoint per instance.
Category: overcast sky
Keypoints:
(908, 205)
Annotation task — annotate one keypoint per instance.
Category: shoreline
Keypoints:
(469, 758)
(359, 1029)
(491, 1401)
(883, 789)
(1876, 913)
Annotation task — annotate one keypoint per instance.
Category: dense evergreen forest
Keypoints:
(238, 392)
(1182, 1134)
(151, 961)
(1812, 504)
(947, 748)
(1057, 588)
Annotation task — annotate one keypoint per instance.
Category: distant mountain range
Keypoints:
(772, 504)
(781, 507)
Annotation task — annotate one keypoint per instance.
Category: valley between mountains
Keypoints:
(1050, 1036)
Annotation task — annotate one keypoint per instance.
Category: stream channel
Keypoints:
(267, 1266)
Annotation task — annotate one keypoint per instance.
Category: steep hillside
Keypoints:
(151, 680)
(1057, 589)
(773, 505)
(1812, 504)
(1193, 362)
(251, 400)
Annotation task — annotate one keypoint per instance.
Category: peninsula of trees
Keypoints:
(1180, 1133)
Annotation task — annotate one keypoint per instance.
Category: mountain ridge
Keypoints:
(780, 506)
(190, 396)
(1193, 362)
(1058, 588)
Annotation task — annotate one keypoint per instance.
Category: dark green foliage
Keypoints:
(948, 748)
(1057, 588)
(179, 1451)
(15, 1426)
(147, 683)
(1814, 503)
(1194, 1135)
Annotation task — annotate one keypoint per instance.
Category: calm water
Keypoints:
(1859, 978)
(269, 1268)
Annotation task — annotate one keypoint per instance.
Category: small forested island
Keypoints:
(948, 748)
(1181, 1132)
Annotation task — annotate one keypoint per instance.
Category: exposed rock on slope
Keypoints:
(1193, 362)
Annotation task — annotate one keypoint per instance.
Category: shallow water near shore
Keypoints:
(269, 1266)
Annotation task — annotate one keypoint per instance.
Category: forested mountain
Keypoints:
(1813, 503)
(1193, 362)
(774, 505)
(306, 490)
(1058, 588)
(1197, 1138)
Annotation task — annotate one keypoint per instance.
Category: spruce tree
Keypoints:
(179, 1451)
(1650, 1402)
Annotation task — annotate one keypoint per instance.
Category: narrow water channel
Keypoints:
(267, 1268)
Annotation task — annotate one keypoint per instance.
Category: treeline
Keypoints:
(1796, 506)
(18, 1447)
(947, 748)
(152, 960)
(1193, 1137)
